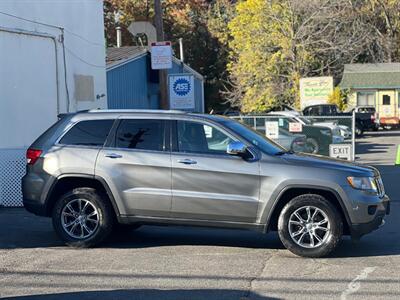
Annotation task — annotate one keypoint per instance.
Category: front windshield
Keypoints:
(255, 138)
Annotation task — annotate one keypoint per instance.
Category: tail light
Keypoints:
(32, 156)
(300, 142)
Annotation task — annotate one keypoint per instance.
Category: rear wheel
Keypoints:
(310, 226)
(82, 217)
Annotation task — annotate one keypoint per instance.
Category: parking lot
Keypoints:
(192, 263)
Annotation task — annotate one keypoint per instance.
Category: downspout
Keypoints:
(43, 35)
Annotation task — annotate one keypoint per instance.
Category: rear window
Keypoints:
(88, 133)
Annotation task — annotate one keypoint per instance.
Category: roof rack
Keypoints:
(154, 111)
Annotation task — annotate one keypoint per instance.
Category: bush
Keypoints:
(339, 98)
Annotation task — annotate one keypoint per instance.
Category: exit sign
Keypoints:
(341, 151)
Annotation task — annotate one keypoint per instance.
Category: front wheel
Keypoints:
(310, 226)
(82, 217)
(312, 146)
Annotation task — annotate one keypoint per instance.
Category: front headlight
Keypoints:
(363, 183)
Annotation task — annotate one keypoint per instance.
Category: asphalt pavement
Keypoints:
(195, 263)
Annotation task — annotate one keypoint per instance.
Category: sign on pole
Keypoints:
(161, 55)
(181, 91)
(341, 151)
(272, 129)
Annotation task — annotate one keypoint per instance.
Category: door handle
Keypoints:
(113, 155)
(187, 161)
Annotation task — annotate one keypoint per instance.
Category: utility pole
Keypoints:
(158, 22)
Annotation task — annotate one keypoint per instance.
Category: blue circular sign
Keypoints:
(181, 87)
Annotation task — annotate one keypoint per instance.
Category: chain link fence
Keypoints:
(328, 136)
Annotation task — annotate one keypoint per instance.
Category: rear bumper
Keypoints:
(34, 207)
(389, 121)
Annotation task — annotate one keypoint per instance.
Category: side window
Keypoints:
(195, 137)
(140, 134)
(88, 133)
(386, 100)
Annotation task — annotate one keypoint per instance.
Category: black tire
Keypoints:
(104, 216)
(329, 241)
(312, 145)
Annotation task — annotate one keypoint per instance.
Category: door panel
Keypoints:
(225, 189)
(212, 186)
(137, 166)
(142, 180)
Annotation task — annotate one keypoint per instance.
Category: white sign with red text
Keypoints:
(295, 127)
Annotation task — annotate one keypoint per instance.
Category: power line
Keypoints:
(31, 21)
(53, 26)
(84, 39)
(82, 60)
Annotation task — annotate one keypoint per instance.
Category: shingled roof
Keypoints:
(382, 75)
(115, 55)
(118, 56)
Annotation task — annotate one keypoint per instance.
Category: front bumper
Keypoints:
(358, 230)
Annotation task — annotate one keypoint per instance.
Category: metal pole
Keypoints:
(119, 37)
(353, 135)
(181, 49)
(158, 22)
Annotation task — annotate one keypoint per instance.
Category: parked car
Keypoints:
(365, 121)
(367, 113)
(291, 141)
(94, 170)
(318, 137)
(340, 132)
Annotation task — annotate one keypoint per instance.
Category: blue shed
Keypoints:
(131, 83)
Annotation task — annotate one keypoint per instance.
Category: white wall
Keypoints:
(33, 85)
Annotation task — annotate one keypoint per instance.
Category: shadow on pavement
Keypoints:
(363, 147)
(19, 229)
(151, 294)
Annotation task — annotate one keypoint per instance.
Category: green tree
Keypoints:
(274, 43)
(182, 19)
(265, 64)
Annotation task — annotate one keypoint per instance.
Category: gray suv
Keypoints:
(96, 171)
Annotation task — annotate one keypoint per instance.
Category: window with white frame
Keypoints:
(365, 98)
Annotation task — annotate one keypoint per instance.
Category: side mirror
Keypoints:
(236, 148)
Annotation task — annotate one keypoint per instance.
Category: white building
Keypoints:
(52, 61)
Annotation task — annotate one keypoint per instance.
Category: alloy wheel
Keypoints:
(309, 226)
(79, 218)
